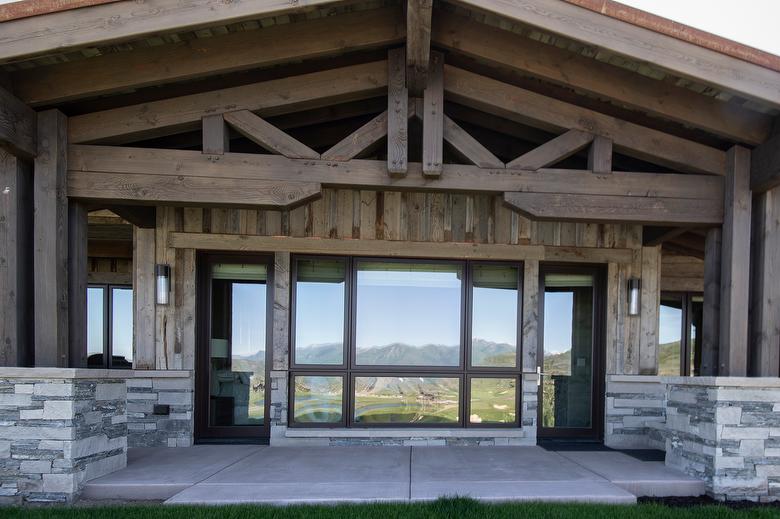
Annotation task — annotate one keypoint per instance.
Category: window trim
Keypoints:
(108, 325)
(350, 370)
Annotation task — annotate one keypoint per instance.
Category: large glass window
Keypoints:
(109, 326)
(380, 342)
(679, 337)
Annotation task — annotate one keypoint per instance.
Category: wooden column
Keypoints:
(711, 311)
(530, 315)
(735, 265)
(600, 155)
(216, 138)
(433, 118)
(77, 284)
(51, 241)
(650, 302)
(764, 358)
(397, 113)
(143, 298)
(15, 261)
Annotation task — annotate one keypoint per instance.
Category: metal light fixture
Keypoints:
(634, 286)
(162, 273)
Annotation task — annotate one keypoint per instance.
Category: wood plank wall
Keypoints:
(400, 216)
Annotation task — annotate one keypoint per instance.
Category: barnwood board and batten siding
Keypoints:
(389, 223)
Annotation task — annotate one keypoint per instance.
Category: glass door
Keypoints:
(571, 370)
(233, 352)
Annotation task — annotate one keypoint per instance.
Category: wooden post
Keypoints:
(711, 311)
(433, 118)
(15, 261)
(600, 155)
(216, 138)
(650, 302)
(764, 355)
(77, 284)
(735, 265)
(51, 241)
(397, 113)
(143, 298)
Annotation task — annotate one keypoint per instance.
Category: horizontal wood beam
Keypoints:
(615, 209)
(268, 136)
(86, 162)
(677, 56)
(210, 56)
(513, 52)
(269, 98)
(527, 107)
(553, 151)
(391, 248)
(71, 29)
(765, 166)
(17, 126)
(142, 217)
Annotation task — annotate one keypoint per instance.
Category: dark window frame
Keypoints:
(108, 325)
(686, 299)
(349, 369)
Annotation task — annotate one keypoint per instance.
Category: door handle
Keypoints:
(539, 374)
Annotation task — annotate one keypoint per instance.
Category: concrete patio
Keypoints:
(224, 474)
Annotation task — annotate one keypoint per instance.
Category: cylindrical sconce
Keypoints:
(634, 286)
(162, 273)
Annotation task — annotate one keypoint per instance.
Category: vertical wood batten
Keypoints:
(651, 300)
(433, 118)
(77, 284)
(531, 324)
(711, 311)
(50, 201)
(397, 113)
(143, 298)
(735, 264)
(281, 298)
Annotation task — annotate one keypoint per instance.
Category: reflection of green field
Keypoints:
(493, 400)
(257, 398)
(318, 409)
(406, 409)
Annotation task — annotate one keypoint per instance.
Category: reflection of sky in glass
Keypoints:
(495, 315)
(248, 322)
(670, 324)
(414, 308)
(558, 319)
(319, 311)
(122, 323)
(95, 320)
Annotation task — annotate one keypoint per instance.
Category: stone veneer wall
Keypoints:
(282, 435)
(635, 412)
(149, 388)
(726, 430)
(58, 429)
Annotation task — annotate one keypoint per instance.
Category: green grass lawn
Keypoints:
(444, 508)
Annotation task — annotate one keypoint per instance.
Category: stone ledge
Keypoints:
(405, 433)
(161, 373)
(739, 382)
(64, 373)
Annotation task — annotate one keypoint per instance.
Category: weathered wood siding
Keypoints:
(682, 273)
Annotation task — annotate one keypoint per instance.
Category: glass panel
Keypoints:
(493, 400)
(319, 311)
(697, 315)
(318, 399)
(408, 314)
(568, 351)
(121, 327)
(96, 326)
(237, 345)
(494, 316)
(670, 335)
(407, 400)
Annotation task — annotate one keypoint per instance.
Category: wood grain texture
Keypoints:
(50, 195)
(530, 323)
(600, 155)
(216, 138)
(70, 29)
(77, 284)
(550, 114)
(515, 53)
(397, 113)
(711, 312)
(268, 136)
(556, 150)
(143, 298)
(273, 97)
(433, 118)
(650, 304)
(677, 56)
(765, 165)
(360, 140)
(735, 265)
(17, 126)
(418, 44)
(199, 57)
(467, 146)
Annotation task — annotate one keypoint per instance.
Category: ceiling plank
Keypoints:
(556, 150)
(527, 107)
(109, 23)
(268, 136)
(17, 126)
(468, 146)
(275, 97)
(676, 56)
(201, 57)
(418, 44)
(615, 209)
(656, 236)
(517, 53)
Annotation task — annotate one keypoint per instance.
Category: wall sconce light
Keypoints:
(634, 286)
(162, 274)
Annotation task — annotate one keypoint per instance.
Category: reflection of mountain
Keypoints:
(406, 386)
(250, 363)
(558, 362)
(669, 358)
(327, 353)
(489, 353)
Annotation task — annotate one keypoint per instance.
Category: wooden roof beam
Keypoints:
(765, 165)
(677, 56)
(556, 150)
(17, 126)
(517, 104)
(468, 146)
(268, 136)
(201, 57)
(418, 44)
(516, 53)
